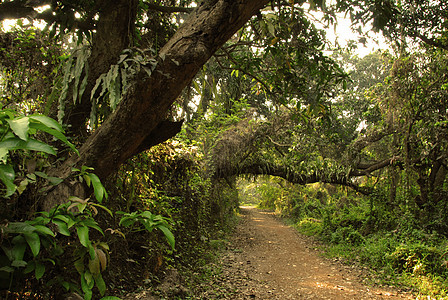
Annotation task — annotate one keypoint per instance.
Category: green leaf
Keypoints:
(30, 267)
(30, 144)
(39, 271)
(19, 263)
(98, 188)
(18, 251)
(92, 224)
(57, 134)
(3, 155)
(110, 298)
(7, 269)
(65, 285)
(22, 186)
(47, 121)
(7, 176)
(89, 279)
(33, 241)
(44, 230)
(20, 127)
(62, 227)
(168, 234)
(79, 265)
(94, 265)
(70, 223)
(100, 284)
(63, 218)
(85, 288)
(19, 227)
(83, 235)
(92, 252)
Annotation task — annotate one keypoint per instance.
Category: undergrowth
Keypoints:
(397, 248)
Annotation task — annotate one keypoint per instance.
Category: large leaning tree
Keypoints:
(167, 60)
(138, 121)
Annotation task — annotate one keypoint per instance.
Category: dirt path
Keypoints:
(269, 260)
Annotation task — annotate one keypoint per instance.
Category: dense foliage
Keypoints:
(163, 106)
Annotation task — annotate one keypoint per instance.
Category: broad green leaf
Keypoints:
(8, 171)
(89, 279)
(19, 227)
(47, 121)
(33, 241)
(98, 188)
(40, 220)
(85, 288)
(62, 227)
(100, 283)
(22, 186)
(56, 133)
(79, 265)
(83, 235)
(92, 224)
(65, 285)
(147, 214)
(44, 230)
(19, 263)
(126, 221)
(70, 223)
(39, 271)
(55, 180)
(20, 127)
(94, 265)
(148, 225)
(62, 218)
(31, 144)
(92, 252)
(7, 269)
(7, 176)
(30, 267)
(168, 234)
(18, 250)
(3, 155)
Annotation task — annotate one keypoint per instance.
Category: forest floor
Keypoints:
(266, 259)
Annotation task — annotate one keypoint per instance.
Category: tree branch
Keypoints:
(432, 42)
(17, 10)
(164, 131)
(241, 70)
(297, 178)
(169, 9)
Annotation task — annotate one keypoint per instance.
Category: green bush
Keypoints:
(347, 235)
(417, 258)
(310, 226)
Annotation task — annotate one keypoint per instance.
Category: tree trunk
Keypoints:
(147, 101)
(114, 33)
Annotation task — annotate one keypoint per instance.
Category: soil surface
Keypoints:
(266, 259)
(269, 260)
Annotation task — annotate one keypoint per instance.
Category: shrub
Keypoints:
(310, 226)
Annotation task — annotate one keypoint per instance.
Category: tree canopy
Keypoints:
(248, 87)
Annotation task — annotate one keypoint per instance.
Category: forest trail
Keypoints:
(270, 260)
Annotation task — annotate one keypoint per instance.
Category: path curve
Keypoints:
(269, 260)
